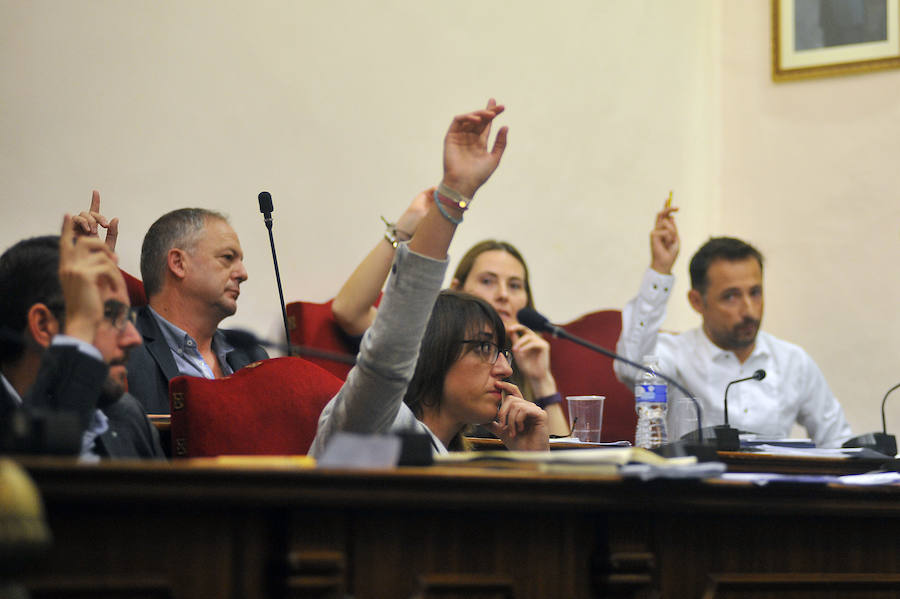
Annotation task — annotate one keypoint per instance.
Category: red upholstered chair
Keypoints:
(267, 408)
(580, 371)
(313, 326)
(135, 288)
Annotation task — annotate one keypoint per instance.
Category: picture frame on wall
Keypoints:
(824, 38)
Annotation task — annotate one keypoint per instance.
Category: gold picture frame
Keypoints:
(817, 57)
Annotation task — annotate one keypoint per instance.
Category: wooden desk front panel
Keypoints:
(114, 550)
(544, 555)
(182, 531)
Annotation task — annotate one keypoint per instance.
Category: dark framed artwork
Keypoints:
(822, 38)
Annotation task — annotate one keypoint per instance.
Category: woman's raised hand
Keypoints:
(467, 161)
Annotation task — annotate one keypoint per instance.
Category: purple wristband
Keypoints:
(544, 402)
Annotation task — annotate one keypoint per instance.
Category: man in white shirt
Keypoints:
(727, 291)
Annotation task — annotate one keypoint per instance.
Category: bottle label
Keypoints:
(650, 393)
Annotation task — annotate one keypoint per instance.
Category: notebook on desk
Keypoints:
(751, 441)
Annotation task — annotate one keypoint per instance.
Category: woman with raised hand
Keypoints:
(494, 271)
(454, 378)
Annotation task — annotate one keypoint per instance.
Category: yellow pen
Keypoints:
(669, 200)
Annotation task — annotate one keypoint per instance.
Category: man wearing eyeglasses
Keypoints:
(64, 314)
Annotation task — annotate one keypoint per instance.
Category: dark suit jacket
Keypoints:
(130, 433)
(151, 366)
(63, 398)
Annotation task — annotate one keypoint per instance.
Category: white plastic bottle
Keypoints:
(651, 402)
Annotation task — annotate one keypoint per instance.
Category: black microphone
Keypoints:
(536, 321)
(246, 338)
(881, 442)
(727, 437)
(756, 376)
(265, 206)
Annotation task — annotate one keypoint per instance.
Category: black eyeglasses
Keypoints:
(118, 314)
(489, 350)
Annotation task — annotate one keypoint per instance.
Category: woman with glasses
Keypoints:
(492, 270)
(496, 271)
(436, 362)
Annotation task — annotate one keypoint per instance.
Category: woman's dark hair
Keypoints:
(464, 268)
(456, 316)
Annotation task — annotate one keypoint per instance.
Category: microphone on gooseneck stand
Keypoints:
(756, 376)
(727, 437)
(881, 442)
(536, 321)
(266, 208)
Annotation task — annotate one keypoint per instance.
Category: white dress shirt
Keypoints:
(794, 389)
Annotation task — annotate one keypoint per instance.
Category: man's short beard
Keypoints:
(113, 388)
(732, 341)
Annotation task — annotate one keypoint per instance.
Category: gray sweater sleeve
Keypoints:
(371, 400)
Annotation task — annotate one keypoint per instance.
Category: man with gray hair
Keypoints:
(192, 268)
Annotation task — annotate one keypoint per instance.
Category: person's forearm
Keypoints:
(543, 386)
(641, 319)
(80, 327)
(433, 236)
(353, 305)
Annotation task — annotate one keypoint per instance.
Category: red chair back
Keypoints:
(135, 289)
(313, 326)
(580, 371)
(267, 408)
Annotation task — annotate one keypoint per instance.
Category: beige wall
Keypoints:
(338, 109)
(809, 173)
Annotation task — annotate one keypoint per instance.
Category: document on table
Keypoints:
(574, 440)
(810, 452)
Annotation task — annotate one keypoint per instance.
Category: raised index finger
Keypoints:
(95, 201)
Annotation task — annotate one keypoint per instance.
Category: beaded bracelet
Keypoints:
(443, 211)
(454, 197)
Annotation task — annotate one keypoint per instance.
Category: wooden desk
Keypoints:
(190, 529)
